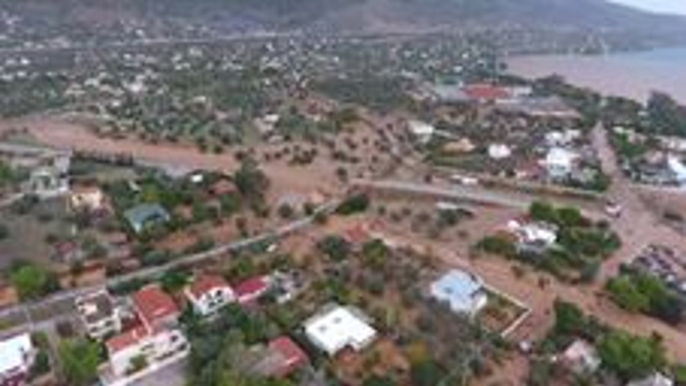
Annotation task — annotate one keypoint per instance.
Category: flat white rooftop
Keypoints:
(338, 328)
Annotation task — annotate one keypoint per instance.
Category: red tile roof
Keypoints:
(251, 289)
(126, 339)
(293, 356)
(206, 283)
(153, 305)
(486, 92)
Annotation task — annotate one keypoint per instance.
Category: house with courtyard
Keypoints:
(337, 328)
(461, 291)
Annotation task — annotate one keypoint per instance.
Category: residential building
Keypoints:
(533, 237)
(99, 314)
(87, 198)
(581, 357)
(279, 358)
(422, 131)
(252, 289)
(48, 181)
(656, 379)
(155, 308)
(144, 216)
(155, 341)
(140, 342)
(337, 328)
(16, 358)
(462, 291)
(559, 162)
(208, 294)
(482, 92)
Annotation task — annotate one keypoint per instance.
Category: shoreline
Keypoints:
(634, 75)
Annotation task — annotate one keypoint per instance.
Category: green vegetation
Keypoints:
(32, 281)
(498, 245)
(631, 357)
(376, 92)
(335, 247)
(580, 247)
(627, 149)
(666, 116)
(4, 231)
(622, 354)
(8, 175)
(251, 182)
(355, 204)
(642, 292)
(217, 346)
(79, 359)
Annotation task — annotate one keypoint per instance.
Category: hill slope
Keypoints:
(246, 16)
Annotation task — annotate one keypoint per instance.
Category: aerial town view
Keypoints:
(343, 192)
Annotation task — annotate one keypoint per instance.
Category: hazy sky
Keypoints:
(671, 6)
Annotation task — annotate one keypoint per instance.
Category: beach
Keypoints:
(633, 75)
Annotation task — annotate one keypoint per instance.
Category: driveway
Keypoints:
(172, 375)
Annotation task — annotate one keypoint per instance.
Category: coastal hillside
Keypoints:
(80, 20)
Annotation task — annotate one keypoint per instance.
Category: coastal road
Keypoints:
(34, 316)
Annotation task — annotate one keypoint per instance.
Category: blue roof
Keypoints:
(142, 215)
(461, 290)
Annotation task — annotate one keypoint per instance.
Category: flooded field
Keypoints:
(633, 75)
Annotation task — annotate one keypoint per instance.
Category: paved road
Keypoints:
(36, 315)
(639, 226)
(477, 194)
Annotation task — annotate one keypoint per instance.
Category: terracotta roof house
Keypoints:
(252, 289)
(155, 308)
(209, 293)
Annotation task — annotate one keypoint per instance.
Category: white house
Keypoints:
(581, 357)
(656, 379)
(208, 294)
(337, 328)
(533, 237)
(98, 314)
(16, 358)
(462, 291)
(422, 131)
(677, 167)
(499, 151)
(559, 162)
(534, 232)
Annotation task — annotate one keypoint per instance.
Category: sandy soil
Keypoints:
(68, 136)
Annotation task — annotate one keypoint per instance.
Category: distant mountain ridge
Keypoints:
(346, 15)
